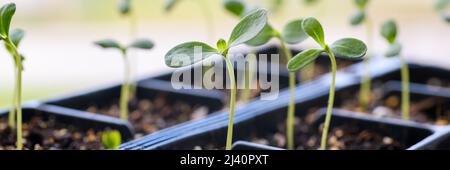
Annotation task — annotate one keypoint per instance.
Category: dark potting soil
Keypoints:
(432, 110)
(40, 134)
(308, 137)
(148, 116)
(435, 81)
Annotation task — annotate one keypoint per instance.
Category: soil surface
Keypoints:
(148, 116)
(432, 110)
(40, 134)
(307, 137)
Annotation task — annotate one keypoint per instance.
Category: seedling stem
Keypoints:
(230, 69)
(405, 89)
(365, 89)
(124, 94)
(326, 127)
(18, 95)
(291, 107)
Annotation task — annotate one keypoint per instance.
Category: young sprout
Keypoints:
(440, 6)
(111, 139)
(292, 33)
(389, 32)
(348, 48)
(187, 54)
(11, 41)
(125, 90)
(359, 18)
(125, 8)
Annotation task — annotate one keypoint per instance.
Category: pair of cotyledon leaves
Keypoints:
(6, 13)
(292, 33)
(348, 48)
(138, 44)
(360, 15)
(251, 26)
(389, 32)
(248, 28)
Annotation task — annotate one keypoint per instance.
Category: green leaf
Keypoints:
(108, 43)
(6, 14)
(188, 53)
(111, 139)
(124, 7)
(389, 31)
(16, 36)
(314, 29)
(361, 4)
(349, 48)
(236, 7)
(263, 37)
(393, 50)
(293, 32)
(441, 4)
(248, 28)
(221, 45)
(358, 18)
(142, 44)
(303, 59)
(169, 4)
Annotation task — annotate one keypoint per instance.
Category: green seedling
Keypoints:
(111, 139)
(185, 54)
(203, 5)
(361, 17)
(125, 8)
(11, 41)
(441, 6)
(292, 33)
(125, 90)
(389, 32)
(348, 48)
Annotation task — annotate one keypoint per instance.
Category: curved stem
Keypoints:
(326, 126)
(405, 89)
(291, 107)
(124, 94)
(18, 102)
(230, 69)
(365, 88)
